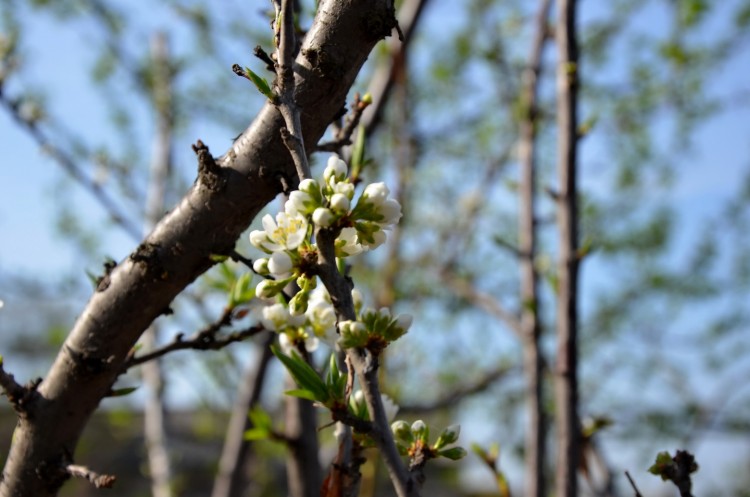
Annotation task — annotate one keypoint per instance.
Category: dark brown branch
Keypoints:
(566, 373)
(205, 339)
(632, 484)
(290, 110)
(98, 480)
(18, 395)
(262, 55)
(344, 135)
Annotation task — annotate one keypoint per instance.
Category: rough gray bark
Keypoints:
(208, 220)
(566, 374)
(533, 361)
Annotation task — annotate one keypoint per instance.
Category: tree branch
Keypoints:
(292, 134)
(179, 249)
(98, 480)
(365, 365)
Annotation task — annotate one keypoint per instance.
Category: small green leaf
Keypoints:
(121, 392)
(218, 257)
(256, 434)
(304, 375)
(302, 394)
(242, 290)
(260, 83)
(454, 453)
(358, 152)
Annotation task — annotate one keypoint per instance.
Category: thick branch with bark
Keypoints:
(207, 221)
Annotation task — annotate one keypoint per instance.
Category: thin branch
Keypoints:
(459, 394)
(70, 166)
(287, 105)
(566, 374)
(344, 135)
(364, 364)
(231, 477)
(382, 81)
(205, 339)
(467, 290)
(632, 484)
(17, 394)
(98, 480)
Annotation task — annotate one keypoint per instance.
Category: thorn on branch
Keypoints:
(102, 282)
(210, 174)
(19, 396)
(98, 480)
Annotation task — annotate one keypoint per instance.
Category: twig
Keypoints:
(344, 135)
(262, 55)
(17, 394)
(69, 165)
(286, 40)
(204, 339)
(632, 484)
(365, 365)
(98, 480)
(466, 289)
(460, 393)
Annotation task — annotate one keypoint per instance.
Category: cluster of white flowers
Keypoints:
(317, 324)
(288, 241)
(328, 205)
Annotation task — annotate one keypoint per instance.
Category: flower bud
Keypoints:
(420, 430)
(454, 453)
(404, 321)
(260, 266)
(280, 263)
(402, 432)
(323, 217)
(376, 193)
(339, 202)
(448, 436)
(335, 169)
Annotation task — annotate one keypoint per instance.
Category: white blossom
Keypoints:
(285, 233)
(376, 193)
(348, 243)
(390, 209)
(280, 263)
(335, 169)
(260, 266)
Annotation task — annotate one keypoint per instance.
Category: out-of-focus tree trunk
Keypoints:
(232, 479)
(154, 425)
(566, 374)
(533, 361)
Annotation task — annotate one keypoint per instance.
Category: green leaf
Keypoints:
(260, 83)
(260, 418)
(122, 392)
(304, 375)
(242, 290)
(660, 467)
(302, 394)
(218, 257)
(256, 434)
(358, 152)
